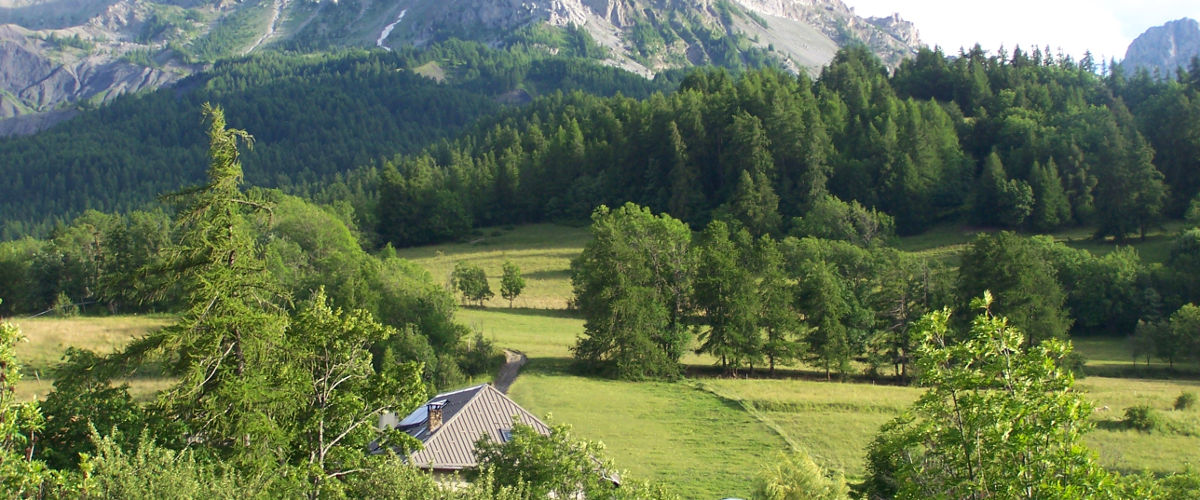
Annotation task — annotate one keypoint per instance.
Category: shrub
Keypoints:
(1185, 400)
(798, 477)
(1142, 417)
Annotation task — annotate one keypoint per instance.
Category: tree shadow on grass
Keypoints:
(556, 366)
(699, 371)
(1112, 425)
(548, 275)
(528, 311)
(1141, 371)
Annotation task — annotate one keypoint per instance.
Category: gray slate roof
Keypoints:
(467, 414)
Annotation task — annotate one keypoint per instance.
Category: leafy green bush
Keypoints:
(1143, 418)
(1185, 400)
(799, 477)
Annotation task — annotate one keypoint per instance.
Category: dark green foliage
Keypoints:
(782, 331)
(904, 289)
(471, 282)
(82, 404)
(833, 219)
(1024, 283)
(1130, 193)
(725, 294)
(998, 200)
(315, 116)
(1180, 340)
(1183, 263)
(829, 309)
(632, 283)
(1051, 209)
(223, 348)
(414, 209)
(1185, 401)
(1142, 418)
(1105, 294)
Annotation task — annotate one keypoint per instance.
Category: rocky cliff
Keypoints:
(59, 55)
(1164, 48)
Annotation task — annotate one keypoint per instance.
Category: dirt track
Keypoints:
(513, 360)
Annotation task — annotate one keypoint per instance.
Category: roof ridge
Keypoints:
(451, 393)
(519, 407)
(480, 388)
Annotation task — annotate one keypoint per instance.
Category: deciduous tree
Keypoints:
(633, 282)
(999, 420)
(511, 282)
(470, 280)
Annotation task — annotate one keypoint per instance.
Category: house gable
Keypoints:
(481, 410)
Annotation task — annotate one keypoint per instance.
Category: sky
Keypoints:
(1106, 27)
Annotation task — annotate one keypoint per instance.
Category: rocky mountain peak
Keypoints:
(1164, 48)
(57, 55)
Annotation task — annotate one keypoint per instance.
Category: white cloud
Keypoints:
(1103, 26)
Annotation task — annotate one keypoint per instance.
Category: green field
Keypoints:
(944, 243)
(674, 433)
(48, 338)
(704, 437)
(543, 252)
(834, 422)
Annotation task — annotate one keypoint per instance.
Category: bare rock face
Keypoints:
(56, 54)
(1164, 48)
(37, 77)
(892, 38)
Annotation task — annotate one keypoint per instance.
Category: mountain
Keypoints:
(57, 56)
(1164, 48)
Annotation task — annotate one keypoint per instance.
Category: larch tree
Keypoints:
(225, 348)
(782, 331)
(725, 293)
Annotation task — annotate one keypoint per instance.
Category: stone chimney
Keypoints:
(435, 415)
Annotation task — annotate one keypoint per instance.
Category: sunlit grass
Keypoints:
(833, 422)
(542, 251)
(1169, 449)
(696, 444)
(49, 338)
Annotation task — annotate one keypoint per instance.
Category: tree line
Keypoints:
(649, 289)
(1024, 142)
(314, 115)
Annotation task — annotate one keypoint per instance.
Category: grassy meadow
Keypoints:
(707, 437)
(543, 252)
(832, 421)
(48, 338)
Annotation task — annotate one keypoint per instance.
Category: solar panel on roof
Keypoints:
(416, 417)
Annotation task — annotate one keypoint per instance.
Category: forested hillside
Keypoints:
(313, 116)
(1025, 141)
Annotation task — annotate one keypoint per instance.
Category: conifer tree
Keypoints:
(1051, 208)
(782, 331)
(725, 292)
(225, 347)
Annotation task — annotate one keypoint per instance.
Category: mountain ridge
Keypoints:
(1165, 48)
(57, 56)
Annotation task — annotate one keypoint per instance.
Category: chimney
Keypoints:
(435, 415)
